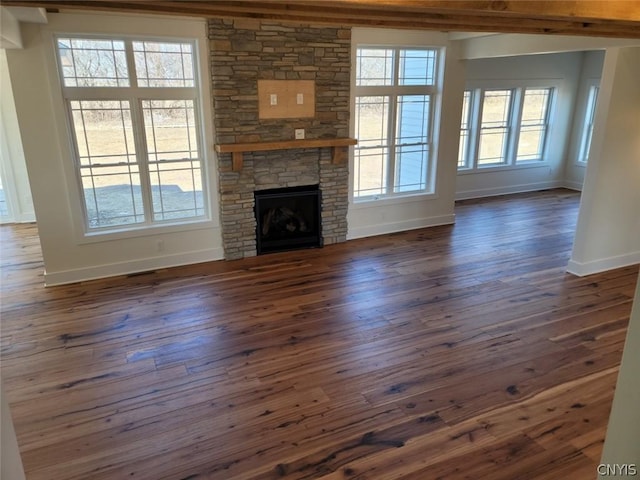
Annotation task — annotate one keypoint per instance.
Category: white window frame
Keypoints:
(469, 164)
(587, 122)
(466, 126)
(509, 127)
(392, 92)
(135, 96)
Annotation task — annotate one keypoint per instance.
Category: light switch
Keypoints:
(274, 99)
(300, 99)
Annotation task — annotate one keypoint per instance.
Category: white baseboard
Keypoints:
(602, 265)
(134, 266)
(505, 190)
(393, 227)
(572, 185)
(29, 218)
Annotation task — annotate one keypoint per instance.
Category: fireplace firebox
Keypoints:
(288, 218)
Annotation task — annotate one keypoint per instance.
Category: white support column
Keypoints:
(608, 230)
(10, 461)
(622, 445)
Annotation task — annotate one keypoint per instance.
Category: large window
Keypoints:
(503, 127)
(394, 102)
(134, 113)
(587, 126)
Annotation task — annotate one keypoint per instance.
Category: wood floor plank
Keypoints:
(456, 352)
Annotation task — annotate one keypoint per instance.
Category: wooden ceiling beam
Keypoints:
(581, 10)
(589, 18)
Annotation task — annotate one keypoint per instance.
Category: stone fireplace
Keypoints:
(244, 51)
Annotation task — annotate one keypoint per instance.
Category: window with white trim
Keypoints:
(587, 126)
(394, 93)
(134, 113)
(503, 127)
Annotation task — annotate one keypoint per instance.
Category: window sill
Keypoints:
(144, 231)
(502, 168)
(369, 202)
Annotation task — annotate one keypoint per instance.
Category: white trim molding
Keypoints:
(572, 185)
(508, 189)
(401, 226)
(131, 267)
(602, 265)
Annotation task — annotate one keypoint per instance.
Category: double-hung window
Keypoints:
(134, 113)
(503, 127)
(587, 126)
(495, 127)
(395, 92)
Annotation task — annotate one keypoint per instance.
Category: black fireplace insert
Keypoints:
(288, 218)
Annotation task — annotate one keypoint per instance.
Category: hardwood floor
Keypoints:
(455, 352)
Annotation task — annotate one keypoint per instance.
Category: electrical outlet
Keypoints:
(273, 99)
(300, 99)
(299, 132)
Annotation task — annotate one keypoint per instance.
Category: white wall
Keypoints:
(12, 162)
(10, 461)
(559, 70)
(397, 214)
(590, 75)
(69, 255)
(622, 444)
(9, 30)
(608, 229)
(510, 44)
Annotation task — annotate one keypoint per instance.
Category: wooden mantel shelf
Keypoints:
(237, 149)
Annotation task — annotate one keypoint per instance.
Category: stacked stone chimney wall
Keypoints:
(244, 51)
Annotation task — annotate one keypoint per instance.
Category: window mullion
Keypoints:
(391, 135)
(139, 135)
(472, 129)
(393, 124)
(142, 156)
(545, 123)
(131, 64)
(514, 123)
(477, 127)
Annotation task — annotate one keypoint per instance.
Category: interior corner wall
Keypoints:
(377, 217)
(562, 70)
(590, 74)
(608, 229)
(69, 255)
